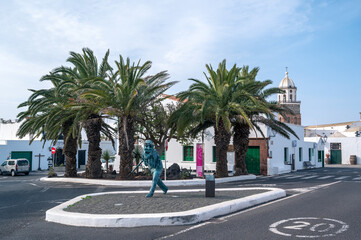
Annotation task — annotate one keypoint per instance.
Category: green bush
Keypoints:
(51, 173)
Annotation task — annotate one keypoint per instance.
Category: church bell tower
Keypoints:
(288, 99)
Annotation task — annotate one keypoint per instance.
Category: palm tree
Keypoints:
(137, 154)
(260, 111)
(124, 95)
(213, 104)
(85, 77)
(107, 155)
(46, 117)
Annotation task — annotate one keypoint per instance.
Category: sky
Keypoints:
(319, 41)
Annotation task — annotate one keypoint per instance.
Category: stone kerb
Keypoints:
(139, 183)
(58, 215)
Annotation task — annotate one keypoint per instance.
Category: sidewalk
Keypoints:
(177, 207)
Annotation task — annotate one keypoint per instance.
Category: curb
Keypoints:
(146, 183)
(58, 215)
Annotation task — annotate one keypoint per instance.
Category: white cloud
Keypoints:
(179, 36)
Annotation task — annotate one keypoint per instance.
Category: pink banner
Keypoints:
(199, 164)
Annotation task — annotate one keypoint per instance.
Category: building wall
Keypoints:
(271, 152)
(349, 146)
(276, 162)
(6, 147)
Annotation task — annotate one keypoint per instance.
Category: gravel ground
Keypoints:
(137, 203)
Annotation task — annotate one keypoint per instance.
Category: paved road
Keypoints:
(320, 202)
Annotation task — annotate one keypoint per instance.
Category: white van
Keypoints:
(15, 166)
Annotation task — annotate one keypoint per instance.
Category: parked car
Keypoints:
(110, 164)
(15, 166)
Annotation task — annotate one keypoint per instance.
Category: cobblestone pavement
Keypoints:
(136, 203)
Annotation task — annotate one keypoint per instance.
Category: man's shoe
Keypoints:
(165, 191)
(149, 195)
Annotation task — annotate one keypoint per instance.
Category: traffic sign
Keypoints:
(53, 150)
(166, 145)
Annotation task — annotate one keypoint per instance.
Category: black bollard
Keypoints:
(210, 186)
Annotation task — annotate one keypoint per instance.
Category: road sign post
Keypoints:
(53, 151)
(165, 160)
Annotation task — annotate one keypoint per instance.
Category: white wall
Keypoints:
(8, 131)
(37, 147)
(277, 144)
(349, 146)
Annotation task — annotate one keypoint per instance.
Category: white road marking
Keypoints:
(45, 189)
(299, 176)
(248, 210)
(325, 177)
(284, 176)
(309, 177)
(258, 185)
(358, 178)
(183, 231)
(308, 227)
(343, 177)
(33, 184)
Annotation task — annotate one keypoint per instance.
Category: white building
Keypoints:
(341, 140)
(13, 147)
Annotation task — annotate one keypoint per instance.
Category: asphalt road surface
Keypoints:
(320, 203)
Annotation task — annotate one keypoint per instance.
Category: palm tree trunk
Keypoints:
(222, 138)
(70, 150)
(126, 146)
(92, 128)
(240, 143)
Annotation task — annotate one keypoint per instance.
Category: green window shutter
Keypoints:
(285, 155)
(214, 154)
(300, 154)
(309, 154)
(188, 153)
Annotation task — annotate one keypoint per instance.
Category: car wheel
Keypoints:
(1, 173)
(27, 173)
(12, 173)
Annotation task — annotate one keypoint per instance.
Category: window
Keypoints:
(310, 153)
(291, 97)
(4, 163)
(300, 154)
(11, 163)
(23, 163)
(286, 155)
(214, 154)
(320, 153)
(188, 153)
(284, 98)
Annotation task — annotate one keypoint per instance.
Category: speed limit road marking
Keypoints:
(308, 227)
